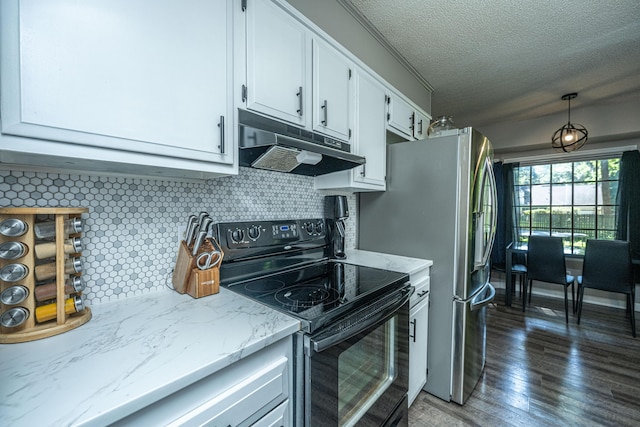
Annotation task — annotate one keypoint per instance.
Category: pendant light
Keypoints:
(571, 136)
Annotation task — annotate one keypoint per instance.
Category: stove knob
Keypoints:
(254, 232)
(308, 226)
(319, 227)
(237, 235)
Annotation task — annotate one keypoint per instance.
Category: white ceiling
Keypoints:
(490, 61)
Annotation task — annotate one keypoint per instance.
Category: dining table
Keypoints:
(514, 248)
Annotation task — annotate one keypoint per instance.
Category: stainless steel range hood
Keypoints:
(272, 145)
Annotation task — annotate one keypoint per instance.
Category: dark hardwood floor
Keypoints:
(542, 372)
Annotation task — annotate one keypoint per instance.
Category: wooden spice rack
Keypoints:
(30, 330)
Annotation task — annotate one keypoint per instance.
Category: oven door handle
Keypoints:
(378, 316)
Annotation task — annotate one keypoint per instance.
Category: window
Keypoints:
(573, 200)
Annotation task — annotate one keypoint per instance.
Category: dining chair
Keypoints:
(546, 263)
(607, 267)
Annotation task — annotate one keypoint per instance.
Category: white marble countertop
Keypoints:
(132, 353)
(384, 261)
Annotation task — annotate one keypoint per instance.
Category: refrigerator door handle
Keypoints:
(482, 299)
(483, 248)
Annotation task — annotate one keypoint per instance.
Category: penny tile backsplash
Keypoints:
(131, 231)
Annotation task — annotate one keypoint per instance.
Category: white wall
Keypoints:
(608, 125)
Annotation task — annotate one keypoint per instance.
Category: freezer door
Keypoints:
(469, 342)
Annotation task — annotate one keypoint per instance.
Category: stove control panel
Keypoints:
(264, 234)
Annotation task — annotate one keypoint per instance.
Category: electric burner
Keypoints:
(305, 296)
(265, 285)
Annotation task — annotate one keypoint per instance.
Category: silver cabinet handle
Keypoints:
(299, 95)
(420, 123)
(423, 293)
(363, 172)
(324, 107)
(414, 323)
(221, 126)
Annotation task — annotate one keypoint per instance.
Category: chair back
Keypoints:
(607, 265)
(545, 260)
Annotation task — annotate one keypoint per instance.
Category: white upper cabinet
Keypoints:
(121, 77)
(333, 96)
(291, 74)
(369, 138)
(278, 63)
(421, 125)
(405, 119)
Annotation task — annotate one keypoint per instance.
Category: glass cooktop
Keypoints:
(321, 292)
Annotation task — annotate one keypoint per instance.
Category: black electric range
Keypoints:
(284, 264)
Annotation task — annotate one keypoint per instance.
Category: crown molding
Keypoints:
(364, 21)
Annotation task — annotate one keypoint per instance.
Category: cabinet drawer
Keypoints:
(279, 417)
(422, 289)
(238, 395)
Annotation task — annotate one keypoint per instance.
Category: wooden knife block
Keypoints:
(188, 278)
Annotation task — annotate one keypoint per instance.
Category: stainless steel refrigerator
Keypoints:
(440, 204)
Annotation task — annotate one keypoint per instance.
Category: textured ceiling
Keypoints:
(490, 61)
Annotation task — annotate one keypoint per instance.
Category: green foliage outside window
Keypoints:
(574, 200)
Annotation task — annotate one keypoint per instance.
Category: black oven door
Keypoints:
(357, 372)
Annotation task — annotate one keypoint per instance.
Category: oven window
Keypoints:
(365, 371)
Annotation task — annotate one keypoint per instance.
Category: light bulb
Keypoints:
(570, 136)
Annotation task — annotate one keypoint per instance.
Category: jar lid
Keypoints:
(79, 303)
(77, 265)
(13, 272)
(14, 317)
(13, 227)
(14, 295)
(12, 250)
(75, 225)
(76, 283)
(77, 244)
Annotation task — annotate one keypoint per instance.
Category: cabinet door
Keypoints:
(421, 125)
(370, 130)
(278, 63)
(418, 327)
(332, 91)
(136, 76)
(400, 116)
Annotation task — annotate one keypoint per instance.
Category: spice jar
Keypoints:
(13, 250)
(47, 229)
(48, 311)
(48, 249)
(47, 271)
(49, 290)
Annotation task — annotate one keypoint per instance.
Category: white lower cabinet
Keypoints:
(418, 327)
(253, 391)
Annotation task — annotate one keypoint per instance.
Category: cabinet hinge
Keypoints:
(349, 133)
(388, 116)
(244, 5)
(349, 73)
(387, 99)
(244, 93)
